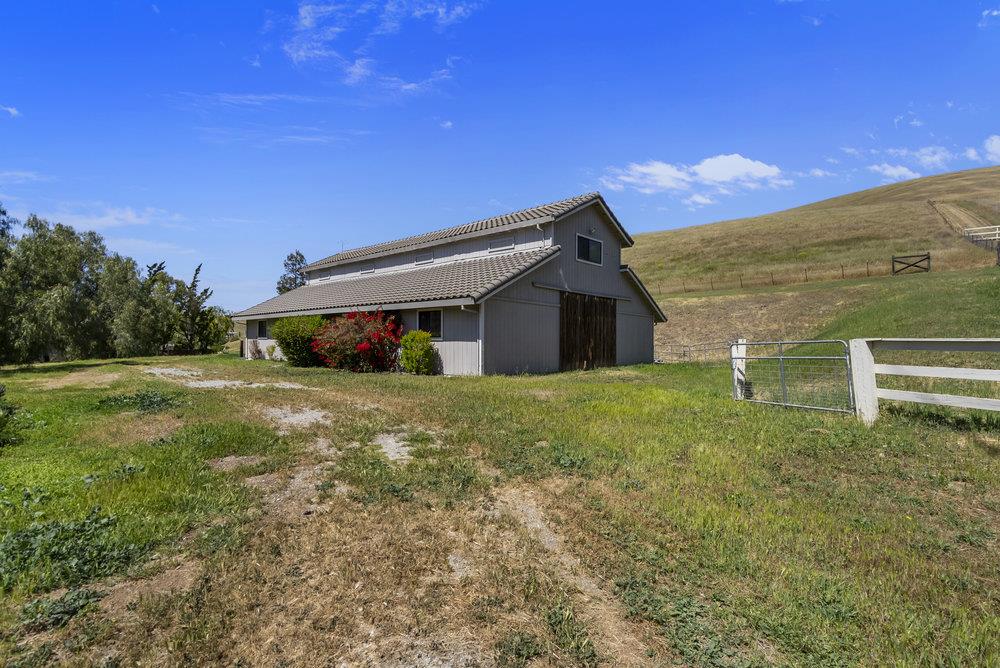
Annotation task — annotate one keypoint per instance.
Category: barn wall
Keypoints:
(459, 345)
(522, 335)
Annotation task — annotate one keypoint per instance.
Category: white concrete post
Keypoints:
(863, 381)
(737, 357)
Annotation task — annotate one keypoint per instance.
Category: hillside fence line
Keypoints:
(757, 279)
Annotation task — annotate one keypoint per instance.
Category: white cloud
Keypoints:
(851, 151)
(734, 167)
(929, 157)
(446, 125)
(247, 99)
(14, 113)
(698, 200)
(989, 17)
(443, 14)
(893, 172)
(991, 148)
(725, 174)
(398, 85)
(972, 154)
(814, 21)
(309, 14)
(156, 9)
(818, 173)
(255, 61)
(832, 161)
(97, 216)
(358, 71)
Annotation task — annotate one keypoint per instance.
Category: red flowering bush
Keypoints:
(359, 341)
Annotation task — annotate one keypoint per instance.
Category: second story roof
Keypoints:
(536, 215)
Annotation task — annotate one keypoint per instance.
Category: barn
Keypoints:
(538, 290)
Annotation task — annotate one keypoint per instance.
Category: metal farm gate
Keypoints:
(797, 374)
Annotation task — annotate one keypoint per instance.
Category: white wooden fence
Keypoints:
(864, 370)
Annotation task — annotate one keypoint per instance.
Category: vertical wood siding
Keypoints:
(587, 331)
(459, 344)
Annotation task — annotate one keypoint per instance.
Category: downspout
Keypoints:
(482, 335)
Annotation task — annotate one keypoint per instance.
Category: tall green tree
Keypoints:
(294, 276)
(143, 313)
(196, 320)
(7, 224)
(52, 278)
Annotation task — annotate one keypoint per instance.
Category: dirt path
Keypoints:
(604, 615)
(958, 218)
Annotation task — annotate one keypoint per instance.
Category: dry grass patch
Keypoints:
(87, 378)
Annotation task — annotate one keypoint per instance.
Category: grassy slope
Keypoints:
(945, 304)
(867, 226)
(738, 533)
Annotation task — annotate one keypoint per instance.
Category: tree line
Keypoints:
(63, 295)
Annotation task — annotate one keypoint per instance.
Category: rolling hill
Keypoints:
(715, 281)
(849, 236)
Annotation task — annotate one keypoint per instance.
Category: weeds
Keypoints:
(8, 421)
(570, 635)
(45, 614)
(144, 401)
(517, 649)
(45, 555)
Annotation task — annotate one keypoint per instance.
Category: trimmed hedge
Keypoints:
(295, 338)
(417, 354)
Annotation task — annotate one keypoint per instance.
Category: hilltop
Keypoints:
(853, 235)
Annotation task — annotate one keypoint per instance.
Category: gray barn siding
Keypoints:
(522, 320)
(522, 336)
(459, 347)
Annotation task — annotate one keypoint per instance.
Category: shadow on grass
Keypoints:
(944, 417)
(64, 367)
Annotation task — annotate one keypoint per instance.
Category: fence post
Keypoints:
(863, 381)
(737, 355)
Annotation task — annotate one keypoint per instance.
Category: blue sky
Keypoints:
(234, 133)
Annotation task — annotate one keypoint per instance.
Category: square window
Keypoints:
(589, 250)
(430, 322)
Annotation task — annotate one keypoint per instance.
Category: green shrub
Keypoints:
(295, 336)
(418, 355)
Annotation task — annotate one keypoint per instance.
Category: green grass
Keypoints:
(744, 534)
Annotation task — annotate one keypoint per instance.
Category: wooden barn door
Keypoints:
(587, 329)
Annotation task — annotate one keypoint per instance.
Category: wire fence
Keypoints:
(800, 374)
(714, 353)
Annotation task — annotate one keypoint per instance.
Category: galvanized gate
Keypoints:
(797, 374)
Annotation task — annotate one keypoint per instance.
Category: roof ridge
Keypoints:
(556, 208)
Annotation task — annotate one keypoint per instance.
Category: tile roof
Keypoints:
(542, 211)
(471, 279)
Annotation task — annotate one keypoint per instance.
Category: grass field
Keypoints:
(854, 235)
(631, 516)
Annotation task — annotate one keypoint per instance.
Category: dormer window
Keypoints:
(504, 243)
(423, 258)
(589, 250)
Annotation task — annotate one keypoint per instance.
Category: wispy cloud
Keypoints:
(928, 157)
(719, 175)
(446, 125)
(11, 111)
(972, 154)
(268, 136)
(99, 216)
(13, 177)
(248, 99)
(991, 148)
(893, 172)
(137, 246)
(990, 17)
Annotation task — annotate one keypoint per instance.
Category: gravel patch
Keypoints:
(171, 372)
(393, 448)
(291, 418)
(233, 462)
(222, 383)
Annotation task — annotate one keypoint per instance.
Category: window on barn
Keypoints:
(424, 258)
(430, 322)
(504, 243)
(589, 250)
(368, 269)
(262, 329)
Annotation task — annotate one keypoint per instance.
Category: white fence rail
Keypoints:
(864, 370)
(988, 233)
